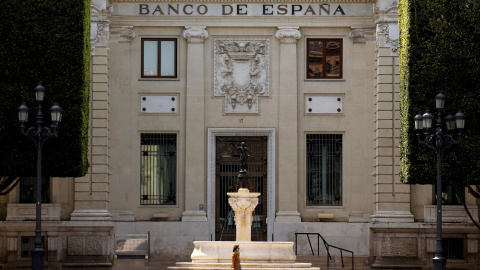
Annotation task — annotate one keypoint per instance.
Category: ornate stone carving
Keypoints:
(361, 34)
(241, 70)
(241, 207)
(383, 29)
(195, 34)
(288, 34)
(99, 30)
(243, 204)
(388, 14)
(121, 34)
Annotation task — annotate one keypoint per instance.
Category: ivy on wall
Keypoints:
(439, 51)
(46, 41)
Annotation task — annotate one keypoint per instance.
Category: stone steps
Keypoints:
(250, 266)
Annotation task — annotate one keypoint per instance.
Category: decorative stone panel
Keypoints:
(397, 247)
(241, 73)
(167, 104)
(318, 104)
(86, 245)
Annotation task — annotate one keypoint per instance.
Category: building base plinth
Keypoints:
(288, 216)
(194, 216)
(95, 215)
(392, 216)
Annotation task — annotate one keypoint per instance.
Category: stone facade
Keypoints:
(241, 71)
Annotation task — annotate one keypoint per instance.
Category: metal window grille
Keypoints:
(158, 169)
(453, 248)
(324, 169)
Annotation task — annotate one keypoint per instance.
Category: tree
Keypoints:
(439, 52)
(45, 41)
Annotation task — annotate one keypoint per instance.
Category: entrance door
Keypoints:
(226, 180)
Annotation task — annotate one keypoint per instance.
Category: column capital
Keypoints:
(121, 34)
(362, 34)
(288, 34)
(195, 34)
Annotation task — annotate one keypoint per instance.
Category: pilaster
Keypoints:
(91, 191)
(195, 123)
(392, 198)
(287, 123)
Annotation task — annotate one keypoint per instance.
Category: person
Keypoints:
(236, 258)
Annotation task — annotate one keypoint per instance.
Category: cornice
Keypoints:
(242, 1)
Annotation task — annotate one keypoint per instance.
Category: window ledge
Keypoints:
(450, 213)
(158, 79)
(324, 80)
(27, 211)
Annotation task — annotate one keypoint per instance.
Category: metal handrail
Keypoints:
(327, 247)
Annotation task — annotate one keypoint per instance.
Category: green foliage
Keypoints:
(45, 41)
(439, 52)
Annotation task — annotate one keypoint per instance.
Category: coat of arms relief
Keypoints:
(241, 68)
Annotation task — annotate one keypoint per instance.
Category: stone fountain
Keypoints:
(254, 255)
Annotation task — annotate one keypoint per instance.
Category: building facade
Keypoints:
(311, 88)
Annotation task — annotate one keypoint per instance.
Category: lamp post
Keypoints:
(439, 142)
(39, 135)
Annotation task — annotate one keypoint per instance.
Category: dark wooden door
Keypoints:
(227, 169)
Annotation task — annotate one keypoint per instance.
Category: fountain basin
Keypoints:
(259, 252)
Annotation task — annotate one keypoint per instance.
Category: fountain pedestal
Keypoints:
(243, 204)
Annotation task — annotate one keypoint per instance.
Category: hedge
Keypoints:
(439, 51)
(47, 41)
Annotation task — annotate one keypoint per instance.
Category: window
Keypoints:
(324, 169)
(28, 190)
(324, 58)
(28, 244)
(449, 195)
(158, 169)
(159, 58)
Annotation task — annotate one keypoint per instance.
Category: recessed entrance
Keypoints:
(222, 171)
(226, 180)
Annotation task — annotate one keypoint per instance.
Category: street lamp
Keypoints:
(39, 135)
(439, 142)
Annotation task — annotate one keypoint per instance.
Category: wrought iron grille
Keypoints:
(324, 169)
(158, 169)
(453, 248)
(227, 168)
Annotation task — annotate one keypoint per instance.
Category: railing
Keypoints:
(327, 247)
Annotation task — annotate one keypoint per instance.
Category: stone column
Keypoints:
(243, 204)
(392, 198)
(195, 125)
(91, 191)
(287, 126)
